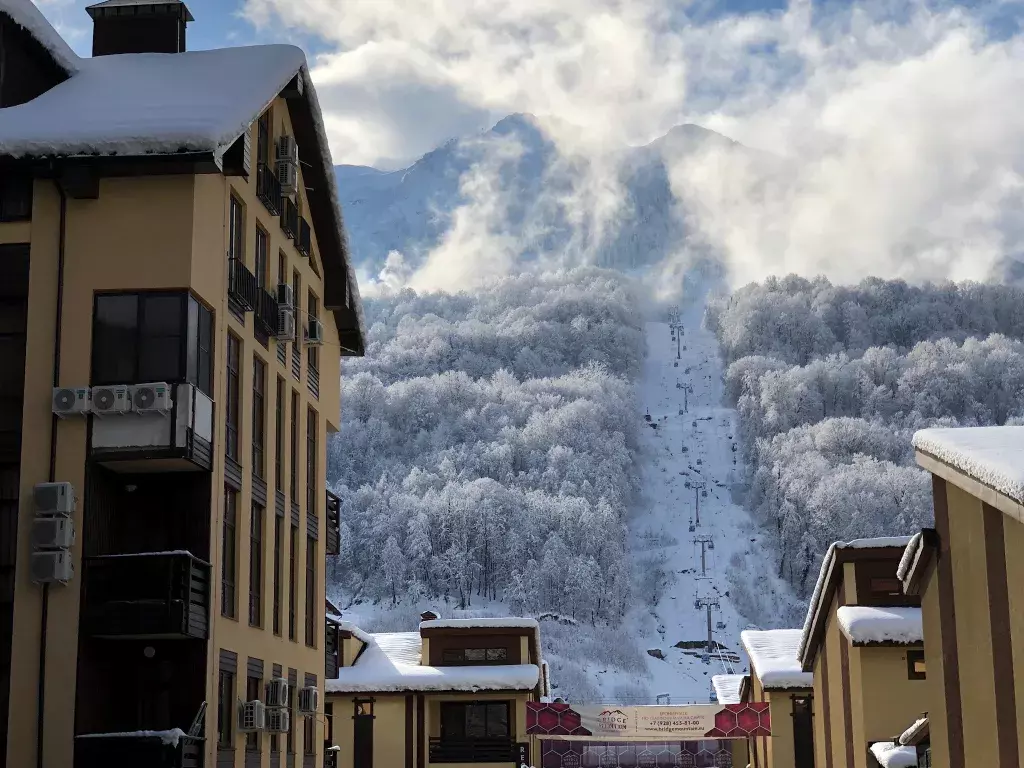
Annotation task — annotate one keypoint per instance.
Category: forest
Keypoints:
(489, 447)
(830, 382)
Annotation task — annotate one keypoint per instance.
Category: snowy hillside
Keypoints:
(410, 210)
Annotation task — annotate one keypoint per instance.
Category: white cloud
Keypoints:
(894, 134)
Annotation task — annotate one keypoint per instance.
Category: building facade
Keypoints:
(968, 572)
(863, 643)
(175, 298)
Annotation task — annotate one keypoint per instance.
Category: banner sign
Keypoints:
(684, 723)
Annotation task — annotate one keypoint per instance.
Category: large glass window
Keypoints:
(260, 262)
(256, 566)
(293, 484)
(474, 720)
(233, 393)
(236, 232)
(311, 611)
(278, 544)
(259, 411)
(229, 560)
(293, 564)
(313, 309)
(253, 686)
(263, 138)
(279, 436)
(311, 451)
(225, 709)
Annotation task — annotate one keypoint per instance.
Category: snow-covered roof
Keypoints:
(727, 688)
(993, 456)
(120, 3)
(871, 624)
(391, 663)
(911, 736)
(25, 14)
(488, 623)
(348, 626)
(171, 737)
(773, 657)
(891, 755)
(910, 555)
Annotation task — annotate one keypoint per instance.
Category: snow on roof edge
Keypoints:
(774, 658)
(727, 688)
(510, 622)
(891, 755)
(985, 454)
(912, 732)
(910, 556)
(880, 624)
(26, 15)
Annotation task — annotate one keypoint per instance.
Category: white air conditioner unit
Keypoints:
(285, 295)
(151, 398)
(278, 720)
(107, 401)
(54, 499)
(314, 333)
(53, 533)
(285, 325)
(277, 692)
(287, 149)
(309, 700)
(70, 401)
(252, 716)
(287, 174)
(51, 567)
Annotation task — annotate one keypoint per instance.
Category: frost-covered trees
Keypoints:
(488, 446)
(831, 382)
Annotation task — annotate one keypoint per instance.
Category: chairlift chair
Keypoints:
(711, 545)
(696, 605)
(680, 411)
(675, 364)
(705, 658)
(647, 416)
(720, 625)
(704, 494)
(693, 528)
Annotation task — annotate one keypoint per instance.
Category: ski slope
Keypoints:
(690, 439)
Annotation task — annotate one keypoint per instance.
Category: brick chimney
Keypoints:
(138, 26)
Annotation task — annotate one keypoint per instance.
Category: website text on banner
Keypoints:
(699, 721)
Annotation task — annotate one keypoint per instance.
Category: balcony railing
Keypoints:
(331, 648)
(333, 507)
(472, 751)
(168, 749)
(268, 188)
(266, 313)
(243, 287)
(304, 242)
(159, 594)
(289, 218)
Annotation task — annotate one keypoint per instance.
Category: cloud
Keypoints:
(890, 135)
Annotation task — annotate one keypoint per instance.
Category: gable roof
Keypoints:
(773, 658)
(728, 688)
(91, 9)
(25, 14)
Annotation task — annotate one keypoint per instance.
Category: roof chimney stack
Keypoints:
(138, 26)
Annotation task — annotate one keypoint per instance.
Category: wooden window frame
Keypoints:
(293, 592)
(257, 522)
(913, 657)
(310, 608)
(232, 396)
(278, 557)
(229, 555)
(312, 441)
(259, 417)
(226, 698)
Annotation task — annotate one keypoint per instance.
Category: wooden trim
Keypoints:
(988, 494)
(432, 691)
(476, 632)
(254, 668)
(1002, 645)
(947, 622)
(421, 736)
(410, 743)
(844, 663)
(826, 705)
(914, 579)
(228, 661)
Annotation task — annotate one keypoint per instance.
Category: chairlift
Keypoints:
(705, 658)
(680, 411)
(675, 364)
(686, 449)
(704, 494)
(711, 545)
(696, 605)
(693, 528)
(647, 416)
(720, 625)
(700, 462)
(687, 483)
(694, 423)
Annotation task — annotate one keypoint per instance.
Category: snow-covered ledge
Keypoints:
(170, 738)
(890, 755)
(865, 625)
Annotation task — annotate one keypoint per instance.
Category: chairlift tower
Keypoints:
(697, 486)
(707, 543)
(709, 604)
(687, 389)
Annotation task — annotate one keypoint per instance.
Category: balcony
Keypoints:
(153, 749)
(268, 188)
(243, 287)
(266, 313)
(472, 751)
(333, 507)
(304, 242)
(331, 649)
(289, 218)
(155, 595)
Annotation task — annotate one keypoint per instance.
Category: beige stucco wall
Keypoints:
(1013, 542)
(935, 690)
(891, 701)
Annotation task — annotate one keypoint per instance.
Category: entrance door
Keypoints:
(362, 735)
(803, 732)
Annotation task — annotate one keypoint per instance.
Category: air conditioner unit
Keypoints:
(107, 401)
(70, 401)
(278, 720)
(252, 716)
(151, 398)
(54, 499)
(285, 295)
(309, 700)
(53, 533)
(277, 692)
(287, 174)
(314, 333)
(287, 149)
(53, 567)
(285, 325)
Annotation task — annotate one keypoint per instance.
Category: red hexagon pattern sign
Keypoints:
(713, 721)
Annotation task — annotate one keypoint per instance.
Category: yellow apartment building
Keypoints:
(453, 692)
(863, 642)
(175, 297)
(968, 572)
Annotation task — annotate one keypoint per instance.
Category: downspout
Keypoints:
(41, 694)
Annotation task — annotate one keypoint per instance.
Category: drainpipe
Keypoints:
(41, 694)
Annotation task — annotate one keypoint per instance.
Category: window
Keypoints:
(309, 735)
(294, 479)
(290, 742)
(311, 484)
(157, 336)
(256, 566)
(236, 230)
(259, 406)
(311, 592)
(263, 138)
(252, 693)
(260, 261)
(474, 720)
(15, 197)
(282, 268)
(474, 655)
(225, 709)
(279, 436)
(915, 665)
(229, 560)
(278, 536)
(293, 557)
(313, 310)
(231, 411)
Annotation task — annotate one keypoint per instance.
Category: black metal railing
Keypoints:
(268, 188)
(266, 313)
(163, 594)
(304, 242)
(243, 287)
(313, 381)
(331, 648)
(130, 750)
(289, 218)
(472, 751)
(333, 507)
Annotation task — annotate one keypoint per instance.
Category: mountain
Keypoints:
(410, 210)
